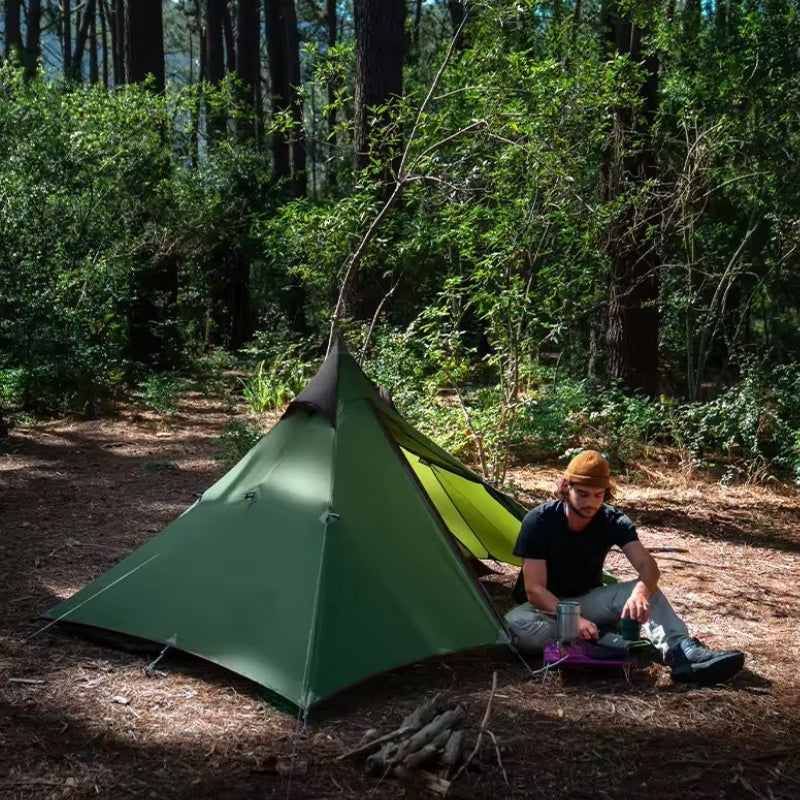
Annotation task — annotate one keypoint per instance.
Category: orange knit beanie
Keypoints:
(589, 468)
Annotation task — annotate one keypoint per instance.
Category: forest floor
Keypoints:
(81, 720)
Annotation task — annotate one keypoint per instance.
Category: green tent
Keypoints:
(335, 549)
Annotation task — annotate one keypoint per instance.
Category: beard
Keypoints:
(586, 513)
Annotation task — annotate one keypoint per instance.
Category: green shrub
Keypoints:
(273, 384)
(161, 392)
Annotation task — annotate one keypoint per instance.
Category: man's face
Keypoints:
(585, 501)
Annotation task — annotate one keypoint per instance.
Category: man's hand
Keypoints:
(587, 629)
(637, 606)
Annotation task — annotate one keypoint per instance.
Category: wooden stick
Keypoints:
(372, 743)
(419, 758)
(451, 757)
(484, 724)
(427, 734)
(424, 713)
(32, 681)
(497, 751)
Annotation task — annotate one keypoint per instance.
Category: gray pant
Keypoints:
(532, 629)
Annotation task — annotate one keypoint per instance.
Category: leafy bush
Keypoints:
(160, 392)
(276, 381)
(754, 423)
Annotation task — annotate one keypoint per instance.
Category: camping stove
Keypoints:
(580, 653)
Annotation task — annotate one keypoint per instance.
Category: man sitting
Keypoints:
(564, 543)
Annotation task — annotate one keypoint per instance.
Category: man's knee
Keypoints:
(530, 629)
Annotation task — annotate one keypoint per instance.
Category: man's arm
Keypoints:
(534, 573)
(638, 606)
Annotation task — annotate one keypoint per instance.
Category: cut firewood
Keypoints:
(420, 716)
(398, 733)
(378, 762)
(447, 719)
(427, 753)
(453, 752)
(435, 784)
(424, 713)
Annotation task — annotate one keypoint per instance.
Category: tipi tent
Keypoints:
(334, 550)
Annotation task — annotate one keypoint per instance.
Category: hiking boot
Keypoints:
(692, 662)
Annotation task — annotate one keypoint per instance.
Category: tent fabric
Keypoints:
(334, 550)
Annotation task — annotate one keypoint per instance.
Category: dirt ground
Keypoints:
(81, 720)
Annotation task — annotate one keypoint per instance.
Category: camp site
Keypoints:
(399, 399)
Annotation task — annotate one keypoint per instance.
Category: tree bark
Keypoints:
(248, 67)
(94, 66)
(104, 41)
(633, 321)
(456, 9)
(227, 36)
(66, 36)
(13, 30)
(144, 42)
(84, 21)
(379, 81)
(334, 85)
(33, 44)
(215, 41)
(152, 329)
(114, 16)
(288, 149)
(380, 43)
(283, 51)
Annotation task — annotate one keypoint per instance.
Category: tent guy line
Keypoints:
(73, 609)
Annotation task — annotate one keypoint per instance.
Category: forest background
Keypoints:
(541, 225)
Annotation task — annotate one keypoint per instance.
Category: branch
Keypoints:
(483, 729)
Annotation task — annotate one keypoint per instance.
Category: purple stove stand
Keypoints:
(578, 654)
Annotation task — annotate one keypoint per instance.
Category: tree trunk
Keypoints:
(334, 85)
(379, 85)
(84, 21)
(299, 175)
(633, 322)
(456, 9)
(217, 121)
(152, 327)
(94, 67)
(215, 41)
(288, 150)
(114, 16)
(104, 41)
(144, 42)
(379, 82)
(248, 67)
(13, 31)
(227, 36)
(66, 36)
(33, 45)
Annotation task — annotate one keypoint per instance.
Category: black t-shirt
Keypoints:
(574, 560)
